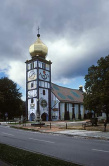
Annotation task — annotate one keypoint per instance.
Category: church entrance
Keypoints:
(32, 116)
(44, 117)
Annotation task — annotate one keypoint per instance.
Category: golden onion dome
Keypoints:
(38, 48)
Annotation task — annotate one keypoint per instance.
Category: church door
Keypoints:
(32, 116)
(44, 117)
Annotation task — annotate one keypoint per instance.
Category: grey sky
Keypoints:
(76, 33)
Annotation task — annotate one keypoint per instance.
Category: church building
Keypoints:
(46, 100)
(66, 103)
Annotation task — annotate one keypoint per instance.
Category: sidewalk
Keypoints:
(73, 129)
(85, 133)
(77, 130)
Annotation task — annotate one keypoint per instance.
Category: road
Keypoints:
(89, 152)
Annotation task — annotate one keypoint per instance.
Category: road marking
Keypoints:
(42, 140)
(7, 134)
(101, 150)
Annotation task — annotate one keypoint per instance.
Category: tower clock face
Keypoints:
(44, 75)
(31, 75)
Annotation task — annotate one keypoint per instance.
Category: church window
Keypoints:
(32, 85)
(67, 107)
(48, 85)
(32, 100)
(43, 65)
(40, 64)
(43, 92)
(39, 83)
(45, 84)
(47, 67)
(42, 83)
(30, 65)
(35, 64)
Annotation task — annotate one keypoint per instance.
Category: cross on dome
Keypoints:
(38, 35)
(38, 29)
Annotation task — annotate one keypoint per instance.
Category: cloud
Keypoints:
(76, 33)
(70, 61)
(17, 72)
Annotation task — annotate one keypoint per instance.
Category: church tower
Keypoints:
(38, 82)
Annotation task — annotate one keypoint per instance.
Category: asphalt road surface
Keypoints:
(88, 152)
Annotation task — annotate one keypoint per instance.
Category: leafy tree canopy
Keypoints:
(96, 97)
(10, 98)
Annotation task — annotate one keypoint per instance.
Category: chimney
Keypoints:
(81, 88)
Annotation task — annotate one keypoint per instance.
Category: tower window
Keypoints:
(31, 65)
(43, 65)
(43, 92)
(28, 66)
(48, 85)
(47, 66)
(32, 100)
(40, 64)
(35, 64)
(45, 84)
(32, 85)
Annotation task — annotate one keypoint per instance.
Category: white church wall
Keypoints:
(62, 110)
(32, 107)
(82, 111)
(54, 106)
(55, 115)
(43, 97)
(76, 108)
(54, 101)
(70, 110)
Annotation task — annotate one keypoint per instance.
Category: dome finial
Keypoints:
(38, 48)
(38, 35)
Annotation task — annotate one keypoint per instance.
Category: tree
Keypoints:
(96, 97)
(10, 98)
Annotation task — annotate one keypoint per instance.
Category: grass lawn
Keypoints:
(20, 157)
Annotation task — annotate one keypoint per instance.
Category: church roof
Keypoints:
(66, 94)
